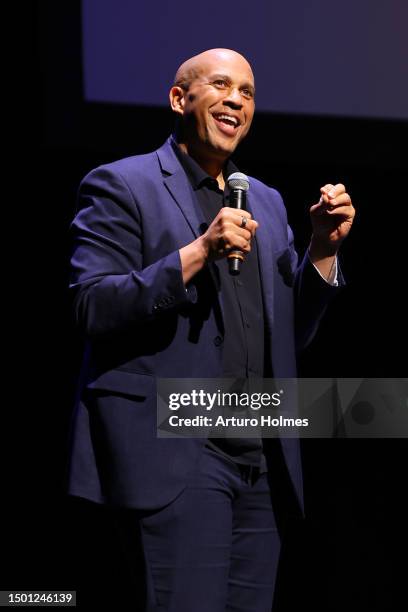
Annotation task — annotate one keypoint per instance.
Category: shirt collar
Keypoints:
(196, 175)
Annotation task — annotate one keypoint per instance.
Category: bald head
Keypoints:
(193, 68)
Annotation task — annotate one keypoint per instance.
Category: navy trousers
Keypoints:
(215, 548)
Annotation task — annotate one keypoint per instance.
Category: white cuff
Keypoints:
(332, 279)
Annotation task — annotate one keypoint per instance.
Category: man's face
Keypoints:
(218, 106)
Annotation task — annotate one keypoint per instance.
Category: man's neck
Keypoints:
(213, 167)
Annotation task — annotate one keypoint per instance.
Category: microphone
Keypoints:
(238, 184)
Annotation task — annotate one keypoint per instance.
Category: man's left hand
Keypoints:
(332, 218)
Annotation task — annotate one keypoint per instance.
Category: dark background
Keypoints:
(346, 554)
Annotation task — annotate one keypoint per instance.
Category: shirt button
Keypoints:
(217, 340)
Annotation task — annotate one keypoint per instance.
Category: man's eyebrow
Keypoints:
(217, 75)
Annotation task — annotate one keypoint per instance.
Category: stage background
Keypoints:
(345, 555)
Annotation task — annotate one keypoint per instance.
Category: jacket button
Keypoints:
(218, 340)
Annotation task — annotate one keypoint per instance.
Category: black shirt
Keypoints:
(243, 341)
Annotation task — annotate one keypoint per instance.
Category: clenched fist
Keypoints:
(231, 229)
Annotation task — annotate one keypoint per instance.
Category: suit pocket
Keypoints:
(286, 261)
(123, 382)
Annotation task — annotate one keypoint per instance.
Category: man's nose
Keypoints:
(233, 98)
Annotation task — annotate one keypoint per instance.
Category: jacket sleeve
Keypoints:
(312, 295)
(111, 288)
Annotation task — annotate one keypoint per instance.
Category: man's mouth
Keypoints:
(227, 124)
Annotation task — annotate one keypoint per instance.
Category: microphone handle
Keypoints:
(235, 257)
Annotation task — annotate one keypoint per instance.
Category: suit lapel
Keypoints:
(178, 185)
(265, 239)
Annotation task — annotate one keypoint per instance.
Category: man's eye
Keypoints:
(220, 83)
(248, 93)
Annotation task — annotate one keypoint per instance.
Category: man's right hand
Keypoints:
(231, 229)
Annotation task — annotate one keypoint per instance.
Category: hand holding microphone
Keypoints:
(230, 233)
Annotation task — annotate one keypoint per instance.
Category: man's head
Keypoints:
(213, 94)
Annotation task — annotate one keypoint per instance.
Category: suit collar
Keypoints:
(168, 161)
(177, 183)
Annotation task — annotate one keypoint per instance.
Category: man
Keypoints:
(154, 298)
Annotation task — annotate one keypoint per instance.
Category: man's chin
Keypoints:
(224, 148)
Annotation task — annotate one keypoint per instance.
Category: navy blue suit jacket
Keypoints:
(141, 322)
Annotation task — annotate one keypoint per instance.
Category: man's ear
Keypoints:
(177, 99)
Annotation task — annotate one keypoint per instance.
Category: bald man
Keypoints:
(154, 298)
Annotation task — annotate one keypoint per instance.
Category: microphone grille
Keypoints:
(238, 180)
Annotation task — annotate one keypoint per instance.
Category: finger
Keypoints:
(235, 241)
(236, 230)
(235, 225)
(324, 202)
(249, 224)
(336, 190)
(342, 211)
(324, 198)
(243, 232)
(253, 226)
(319, 208)
(235, 211)
(340, 200)
(240, 220)
(325, 190)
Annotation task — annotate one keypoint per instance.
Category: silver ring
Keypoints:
(244, 221)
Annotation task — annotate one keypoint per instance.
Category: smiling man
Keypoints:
(153, 295)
